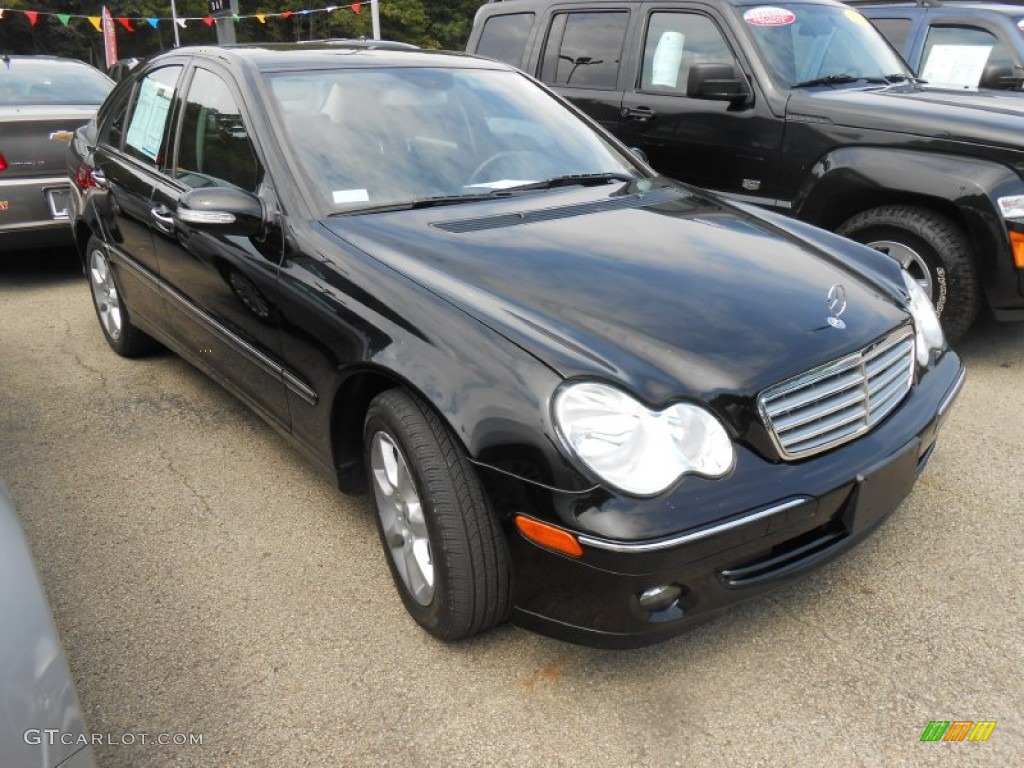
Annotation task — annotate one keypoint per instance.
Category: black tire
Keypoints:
(468, 556)
(933, 242)
(111, 309)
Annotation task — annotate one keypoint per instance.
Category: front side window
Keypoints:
(150, 116)
(584, 50)
(366, 138)
(674, 43)
(504, 37)
(112, 130)
(956, 57)
(214, 147)
(805, 45)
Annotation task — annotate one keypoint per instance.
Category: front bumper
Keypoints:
(814, 511)
(35, 212)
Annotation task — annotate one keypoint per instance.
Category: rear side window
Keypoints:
(895, 31)
(584, 49)
(504, 38)
(150, 115)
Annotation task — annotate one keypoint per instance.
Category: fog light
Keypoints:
(660, 598)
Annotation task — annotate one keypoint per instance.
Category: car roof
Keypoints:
(960, 6)
(25, 60)
(332, 55)
(496, 4)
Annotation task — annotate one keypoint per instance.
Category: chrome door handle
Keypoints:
(162, 218)
(641, 114)
(99, 178)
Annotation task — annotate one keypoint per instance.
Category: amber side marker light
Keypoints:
(549, 536)
(1017, 241)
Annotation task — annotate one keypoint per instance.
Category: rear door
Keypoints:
(128, 156)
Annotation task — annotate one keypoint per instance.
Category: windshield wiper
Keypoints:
(574, 179)
(827, 80)
(425, 202)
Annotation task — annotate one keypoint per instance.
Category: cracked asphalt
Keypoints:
(206, 581)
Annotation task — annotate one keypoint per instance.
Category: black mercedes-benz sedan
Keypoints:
(585, 397)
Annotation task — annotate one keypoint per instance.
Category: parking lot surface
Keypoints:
(207, 583)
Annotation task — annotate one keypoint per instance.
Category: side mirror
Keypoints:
(717, 82)
(221, 211)
(1001, 78)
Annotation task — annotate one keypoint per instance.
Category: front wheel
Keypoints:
(934, 250)
(445, 548)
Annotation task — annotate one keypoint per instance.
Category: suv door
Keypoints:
(726, 146)
(222, 288)
(582, 58)
(967, 54)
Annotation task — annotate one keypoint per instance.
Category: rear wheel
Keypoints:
(123, 337)
(934, 250)
(445, 548)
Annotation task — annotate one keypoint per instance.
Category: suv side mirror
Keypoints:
(717, 82)
(221, 211)
(998, 77)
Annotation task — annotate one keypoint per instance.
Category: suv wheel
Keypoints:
(934, 250)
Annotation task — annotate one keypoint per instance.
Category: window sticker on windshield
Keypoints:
(667, 57)
(955, 66)
(342, 196)
(768, 16)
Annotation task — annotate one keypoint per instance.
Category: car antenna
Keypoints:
(7, 60)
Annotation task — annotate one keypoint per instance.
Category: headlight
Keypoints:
(633, 448)
(1012, 207)
(926, 322)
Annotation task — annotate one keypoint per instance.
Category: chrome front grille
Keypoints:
(839, 401)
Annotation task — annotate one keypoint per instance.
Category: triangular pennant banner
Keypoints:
(64, 18)
(182, 22)
(208, 20)
(235, 17)
(33, 17)
(95, 21)
(357, 7)
(125, 23)
(262, 18)
(154, 23)
(286, 14)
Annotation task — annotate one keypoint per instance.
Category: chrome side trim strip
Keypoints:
(687, 538)
(37, 181)
(953, 392)
(271, 366)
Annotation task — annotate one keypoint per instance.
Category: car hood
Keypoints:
(671, 293)
(970, 123)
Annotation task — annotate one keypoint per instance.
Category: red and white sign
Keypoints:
(767, 16)
(1020, 25)
(109, 38)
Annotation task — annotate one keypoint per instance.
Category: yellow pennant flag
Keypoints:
(262, 18)
(95, 21)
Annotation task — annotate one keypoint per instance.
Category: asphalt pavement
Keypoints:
(210, 586)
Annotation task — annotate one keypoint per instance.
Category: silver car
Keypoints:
(43, 99)
(41, 722)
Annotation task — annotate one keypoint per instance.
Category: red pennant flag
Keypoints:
(33, 17)
(357, 7)
(286, 14)
(125, 23)
(208, 20)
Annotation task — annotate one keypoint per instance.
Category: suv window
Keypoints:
(895, 31)
(956, 57)
(214, 148)
(584, 49)
(150, 115)
(504, 38)
(674, 43)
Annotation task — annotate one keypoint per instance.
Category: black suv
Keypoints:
(802, 107)
(955, 44)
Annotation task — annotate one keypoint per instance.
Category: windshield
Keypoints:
(820, 44)
(368, 138)
(43, 81)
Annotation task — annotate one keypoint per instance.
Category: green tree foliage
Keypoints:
(427, 23)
